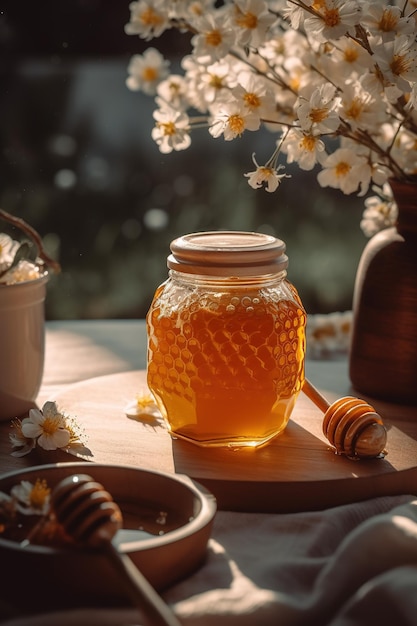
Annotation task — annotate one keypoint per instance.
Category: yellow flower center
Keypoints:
(216, 81)
(318, 115)
(266, 172)
(252, 100)
(246, 20)
(51, 425)
(388, 22)
(351, 54)
(150, 18)
(168, 128)
(39, 494)
(214, 38)
(308, 142)
(195, 8)
(144, 401)
(149, 74)
(354, 110)
(400, 64)
(342, 169)
(331, 17)
(236, 124)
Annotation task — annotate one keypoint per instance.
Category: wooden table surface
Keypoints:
(93, 369)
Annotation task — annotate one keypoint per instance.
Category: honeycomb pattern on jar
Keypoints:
(221, 364)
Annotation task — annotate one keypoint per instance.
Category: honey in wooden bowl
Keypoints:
(226, 340)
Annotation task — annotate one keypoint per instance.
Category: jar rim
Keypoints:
(228, 253)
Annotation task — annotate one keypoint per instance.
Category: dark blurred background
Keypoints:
(78, 163)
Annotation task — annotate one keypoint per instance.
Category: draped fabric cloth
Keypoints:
(351, 565)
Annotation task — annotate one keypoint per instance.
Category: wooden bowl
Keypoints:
(48, 578)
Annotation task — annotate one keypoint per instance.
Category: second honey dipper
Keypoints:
(351, 425)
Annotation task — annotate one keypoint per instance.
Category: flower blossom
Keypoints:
(254, 94)
(8, 249)
(332, 19)
(344, 170)
(32, 499)
(305, 149)
(213, 40)
(148, 18)
(50, 429)
(359, 108)
(397, 60)
(380, 212)
(328, 334)
(386, 22)
(47, 426)
(146, 71)
(319, 112)
(143, 407)
(172, 91)
(252, 19)
(171, 131)
(231, 119)
(207, 83)
(266, 175)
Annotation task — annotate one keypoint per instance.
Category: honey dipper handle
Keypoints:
(155, 611)
(315, 396)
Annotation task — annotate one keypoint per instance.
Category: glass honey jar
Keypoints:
(226, 339)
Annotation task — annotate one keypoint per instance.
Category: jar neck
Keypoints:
(198, 280)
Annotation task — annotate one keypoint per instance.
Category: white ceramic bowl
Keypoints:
(45, 578)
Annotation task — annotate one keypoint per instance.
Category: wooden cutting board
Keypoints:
(297, 471)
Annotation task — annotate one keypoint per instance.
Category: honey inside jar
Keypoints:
(226, 366)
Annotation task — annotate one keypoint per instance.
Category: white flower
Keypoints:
(8, 249)
(171, 131)
(304, 148)
(148, 18)
(19, 440)
(328, 334)
(252, 19)
(397, 60)
(359, 108)
(344, 170)
(172, 91)
(231, 119)
(213, 40)
(143, 406)
(380, 212)
(386, 22)
(48, 427)
(319, 112)
(332, 19)
(265, 175)
(31, 499)
(146, 71)
(207, 83)
(255, 95)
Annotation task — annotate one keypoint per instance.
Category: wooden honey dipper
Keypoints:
(89, 515)
(351, 425)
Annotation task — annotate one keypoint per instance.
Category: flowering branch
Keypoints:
(344, 70)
